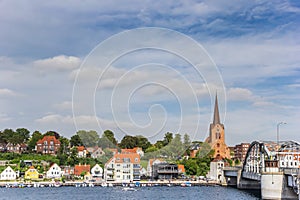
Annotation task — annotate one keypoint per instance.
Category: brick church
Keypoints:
(216, 138)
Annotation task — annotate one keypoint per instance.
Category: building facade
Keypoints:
(54, 171)
(164, 171)
(8, 174)
(48, 145)
(216, 138)
(240, 151)
(123, 167)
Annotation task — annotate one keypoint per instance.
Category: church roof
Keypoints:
(216, 112)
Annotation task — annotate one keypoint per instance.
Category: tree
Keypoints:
(186, 143)
(168, 138)
(128, 142)
(142, 142)
(88, 138)
(151, 149)
(36, 136)
(110, 136)
(24, 133)
(204, 150)
(64, 145)
(159, 144)
(12, 137)
(52, 133)
(175, 147)
(75, 141)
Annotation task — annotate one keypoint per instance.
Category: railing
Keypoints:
(167, 171)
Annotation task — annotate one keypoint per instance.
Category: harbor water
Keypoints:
(103, 193)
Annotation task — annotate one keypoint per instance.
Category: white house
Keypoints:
(54, 171)
(97, 171)
(97, 153)
(216, 169)
(152, 162)
(8, 174)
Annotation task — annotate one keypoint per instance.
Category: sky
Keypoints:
(148, 67)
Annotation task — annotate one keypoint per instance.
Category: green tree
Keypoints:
(110, 136)
(168, 138)
(151, 149)
(128, 142)
(142, 142)
(64, 145)
(186, 143)
(88, 138)
(52, 133)
(36, 136)
(159, 144)
(75, 141)
(204, 150)
(24, 133)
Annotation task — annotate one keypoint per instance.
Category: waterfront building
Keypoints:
(68, 171)
(8, 174)
(97, 171)
(151, 162)
(54, 171)
(48, 145)
(181, 169)
(81, 169)
(31, 173)
(289, 155)
(216, 169)
(123, 167)
(240, 151)
(164, 170)
(216, 138)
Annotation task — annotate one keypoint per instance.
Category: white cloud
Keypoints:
(59, 63)
(4, 92)
(4, 117)
(66, 105)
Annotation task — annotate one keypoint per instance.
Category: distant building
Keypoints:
(8, 174)
(137, 150)
(48, 145)
(152, 162)
(80, 169)
(54, 171)
(216, 137)
(216, 169)
(16, 148)
(164, 171)
(123, 167)
(97, 152)
(97, 171)
(240, 151)
(31, 173)
(82, 152)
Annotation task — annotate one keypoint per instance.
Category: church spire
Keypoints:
(216, 112)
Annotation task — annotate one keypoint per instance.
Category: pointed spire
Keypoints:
(216, 112)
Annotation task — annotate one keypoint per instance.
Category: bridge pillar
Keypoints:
(274, 186)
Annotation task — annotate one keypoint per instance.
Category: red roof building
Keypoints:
(79, 169)
(48, 145)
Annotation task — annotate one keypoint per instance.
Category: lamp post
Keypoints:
(278, 125)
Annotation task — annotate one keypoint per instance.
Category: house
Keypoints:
(2, 147)
(164, 170)
(151, 162)
(48, 145)
(81, 169)
(97, 152)
(87, 177)
(123, 167)
(97, 171)
(16, 148)
(68, 171)
(181, 169)
(8, 174)
(82, 152)
(216, 169)
(137, 150)
(31, 173)
(54, 171)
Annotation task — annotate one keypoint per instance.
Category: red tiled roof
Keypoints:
(48, 138)
(81, 168)
(134, 157)
(80, 148)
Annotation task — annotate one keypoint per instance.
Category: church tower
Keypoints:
(216, 138)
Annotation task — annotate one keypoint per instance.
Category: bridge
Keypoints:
(272, 168)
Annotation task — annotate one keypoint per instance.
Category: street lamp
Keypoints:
(278, 137)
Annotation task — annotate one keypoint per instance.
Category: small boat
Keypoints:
(110, 185)
(103, 184)
(128, 189)
(91, 185)
(57, 184)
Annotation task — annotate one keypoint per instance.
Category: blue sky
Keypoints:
(254, 44)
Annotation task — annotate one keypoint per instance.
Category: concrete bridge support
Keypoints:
(274, 186)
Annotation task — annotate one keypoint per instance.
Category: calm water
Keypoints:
(115, 193)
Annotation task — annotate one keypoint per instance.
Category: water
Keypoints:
(116, 193)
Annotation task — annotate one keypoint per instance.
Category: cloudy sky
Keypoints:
(62, 67)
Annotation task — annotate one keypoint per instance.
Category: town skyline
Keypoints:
(253, 45)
